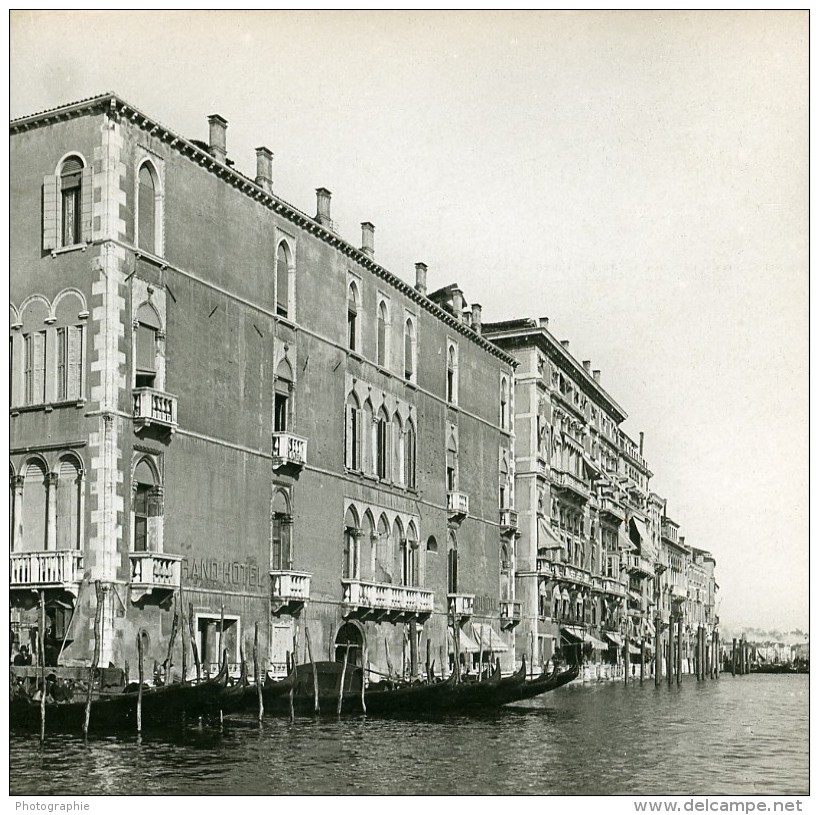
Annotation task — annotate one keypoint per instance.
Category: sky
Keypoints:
(641, 178)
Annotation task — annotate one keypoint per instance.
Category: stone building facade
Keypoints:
(220, 405)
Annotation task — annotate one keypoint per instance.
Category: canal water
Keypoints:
(745, 735)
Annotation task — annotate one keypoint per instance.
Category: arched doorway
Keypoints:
(350, 636)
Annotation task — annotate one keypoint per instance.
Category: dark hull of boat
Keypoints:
(118, 711)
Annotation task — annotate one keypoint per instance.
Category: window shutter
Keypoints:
(74, 373)
(38, 394)
(358, 452)
(86, 214)
(349, 437)
(146, 349)
(62, 355)
(51, 218)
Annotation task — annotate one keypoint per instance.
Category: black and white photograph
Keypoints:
(409, 403)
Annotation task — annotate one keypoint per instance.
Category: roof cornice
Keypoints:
(553, 349)
(114, 106)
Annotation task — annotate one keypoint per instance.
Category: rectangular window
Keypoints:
(281, 542)
(71, 215)
(34, 371)
(280, 413)
(141, 500)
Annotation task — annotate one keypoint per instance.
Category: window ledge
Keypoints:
(46, 406)
(411, 383)
(156, 260)
(383, 370)
(73, 248)
(355, 355)
(288, 321)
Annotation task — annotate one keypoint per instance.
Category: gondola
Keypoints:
(111, 711)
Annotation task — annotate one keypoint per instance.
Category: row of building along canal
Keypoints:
(239, 444)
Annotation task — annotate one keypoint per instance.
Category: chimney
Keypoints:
(458, 303)
(565, 344)
(641, 442)
(476, 318)
(421, 277)
(587, 365)
(596, 375)
(218, 137)
(323, 196)
(264, 169)
(367, 239)
(543, 322)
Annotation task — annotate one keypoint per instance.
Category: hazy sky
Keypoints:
(640, 178)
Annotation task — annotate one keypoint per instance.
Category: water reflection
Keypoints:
(742, 735)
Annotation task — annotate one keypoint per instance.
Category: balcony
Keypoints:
(457, 505)
(154, 573)
(461, 606)
(564, 571)
(509, 613)
(610, 507)
(289, 450)
(509, 520)
(613, 587)
(366, 600)
(639, 566)
(541, 466)
(569, 482)
(154, 408)
(289, 590)
(46, 570)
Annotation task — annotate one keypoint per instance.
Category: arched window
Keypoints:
(147, 209)
(352, 317)
(409, 456)
(368, 439)
(352, 447)
(556, 604)
(34, 507)
(369, 547)
(144, 492)
(147, 330)
(398, 449)
(71, 201)
(452, 564)
(282, 524)
(452, 374)
(384, 559)
(432, 544)
(350, 565)
(283, 388)
(282, 279)
(452, 464)
(399, 549)
(382, 445)
(504, 404)
(68, 505)
(411, 563)
(409, 350)
(383, 334)
(34, 315)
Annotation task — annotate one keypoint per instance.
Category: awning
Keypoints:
(468, 645)
(650, 627)
(625, 542)
(596, 643)
(593, 469)
(641, 528)
(615, 638)
(546, 538)
(490, 637)
(572, 635)
(633, 649)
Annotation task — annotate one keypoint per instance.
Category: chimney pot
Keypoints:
(421, 277)
(596, 375)
(264, 168)
(218, 137)
(476, 317)
(641, 442)
(565, 344)
(543, 322)
(367, 239)
(323, 196)
(587, 365)
(458, 304)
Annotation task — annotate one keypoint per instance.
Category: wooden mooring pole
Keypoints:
(341, 683)
(141, 676)
(413, 649)
(626, 659)
(194, 649)
(734, 657)
(95, 661)
(658, 651)
(41, 664)
(671, 654)
(364, 679)
(312, 668)
(642, 659)
(679, 649)
(257, 677)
